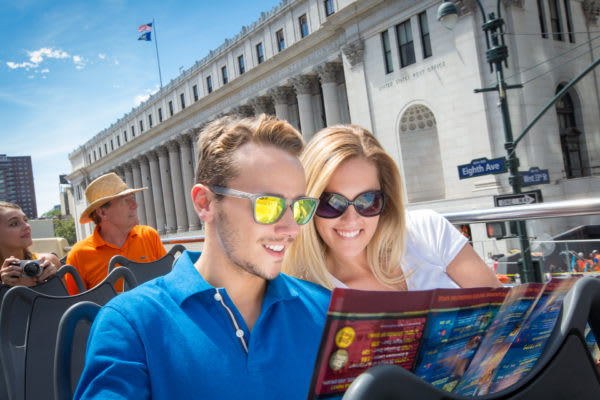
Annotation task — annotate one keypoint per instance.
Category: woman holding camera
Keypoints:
(15, 239)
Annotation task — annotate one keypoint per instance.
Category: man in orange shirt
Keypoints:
(114, 211)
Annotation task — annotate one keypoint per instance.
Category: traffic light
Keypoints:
(496, 230)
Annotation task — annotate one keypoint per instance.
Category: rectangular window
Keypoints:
(241, 64)
(105, 148)
(141, 126)
(159, 114)
(405, 43)
(118, 141)
(125, 135)
(182, 99)
(425, 40)
(224, 74)
(149, 120)
(95, 155)
(170, 108)
(280, 40)
(328, 7)
(260, 55)
(569, 21)
(542, 17)
(555, 20)
(209, 84)
(303, 23)
(112, 145)
(132, 131)
(195, 91)
(99, 152)
(387, 52)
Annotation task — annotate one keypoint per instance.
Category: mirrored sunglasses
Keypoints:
(367, 204)
(268, 209)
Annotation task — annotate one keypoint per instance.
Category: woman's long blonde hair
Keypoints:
(27, 255)
(329, 148)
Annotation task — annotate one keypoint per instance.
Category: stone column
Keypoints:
(159, 207)
(178, 192)
(328, 73)
(167, 188)
(128, 174)
(261, 105)
(147, 194)
(139, 196)
(187, 166)
(119, 171)
(305, 87)
(280, 97)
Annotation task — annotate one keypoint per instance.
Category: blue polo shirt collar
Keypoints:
(186, 281)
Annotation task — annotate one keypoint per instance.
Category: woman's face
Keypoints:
(347, 236)
(15, 232)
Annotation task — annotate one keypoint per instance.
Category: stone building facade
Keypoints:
(391, 67)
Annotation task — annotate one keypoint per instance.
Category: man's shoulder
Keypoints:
(145, 230)
(83, 244)
(306, 289)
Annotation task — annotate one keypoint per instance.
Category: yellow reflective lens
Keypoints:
(268, 209)
(304, 210)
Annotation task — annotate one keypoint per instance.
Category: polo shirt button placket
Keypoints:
(218, 297)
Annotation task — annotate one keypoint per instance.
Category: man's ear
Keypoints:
(203, 200)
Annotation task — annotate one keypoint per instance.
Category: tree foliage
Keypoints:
(65, 227)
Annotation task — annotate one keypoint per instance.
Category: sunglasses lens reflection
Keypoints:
(368, 204)
(268, 209)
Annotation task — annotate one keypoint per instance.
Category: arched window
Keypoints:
(569, 136)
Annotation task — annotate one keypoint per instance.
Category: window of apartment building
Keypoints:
(241, 64)
(112, 145)
(567, 4)
(105, 148)
(425, 39)
(405, 43)
(95, 158)
(387, 52)
(542, 18)
(224, 74)
(170, 108)
(280, 40)
(182, 99)
(195, 92)
(125, 135)
(141, 126)
(570, 136)
(160, 114)
(328, 7)
(118, 141)
(260, 55)
(555, 23)
(132, 131)
(209, 84)
(303, 24)
(149, 121)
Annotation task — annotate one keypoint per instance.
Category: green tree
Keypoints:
(65, 227)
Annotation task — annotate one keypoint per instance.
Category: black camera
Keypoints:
(31, 268)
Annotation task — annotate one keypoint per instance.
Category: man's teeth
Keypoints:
(274, 247)
(348, 234)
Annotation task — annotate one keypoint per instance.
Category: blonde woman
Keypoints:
(15, 239)
(361, 236)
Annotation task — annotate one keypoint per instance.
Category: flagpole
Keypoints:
(156, 46)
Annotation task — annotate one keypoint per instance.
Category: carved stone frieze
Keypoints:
(304, 84)
(328, 72)
(354, 52)
(591, 10)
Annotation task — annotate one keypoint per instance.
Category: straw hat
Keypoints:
(102, 190)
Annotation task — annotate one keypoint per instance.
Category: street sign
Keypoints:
(534, 176)
(482, 166)
(518, 199)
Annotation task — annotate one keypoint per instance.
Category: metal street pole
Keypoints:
(497, 54)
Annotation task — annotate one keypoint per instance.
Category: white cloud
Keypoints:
(139, 99)
(101, 56)
(116, 62)
(37, 57)
(45, 71)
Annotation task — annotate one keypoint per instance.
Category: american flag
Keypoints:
(145, 28)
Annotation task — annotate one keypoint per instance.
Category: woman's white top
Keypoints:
(432, 242)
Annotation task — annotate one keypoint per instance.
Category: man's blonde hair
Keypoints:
(220, 139)
(323, 155)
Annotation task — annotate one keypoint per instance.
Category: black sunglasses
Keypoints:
(367, 204)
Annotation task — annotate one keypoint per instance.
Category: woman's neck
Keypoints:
(356, 273)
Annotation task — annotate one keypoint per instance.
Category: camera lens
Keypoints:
(31, 268)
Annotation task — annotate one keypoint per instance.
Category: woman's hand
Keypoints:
(50, 263)
(11, 274)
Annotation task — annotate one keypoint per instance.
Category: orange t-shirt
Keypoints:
(91, 255)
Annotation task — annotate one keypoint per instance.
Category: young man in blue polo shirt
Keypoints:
(223, 324)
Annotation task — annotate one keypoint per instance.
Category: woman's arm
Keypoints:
(467, 269)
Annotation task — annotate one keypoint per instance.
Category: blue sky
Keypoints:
(68, 69)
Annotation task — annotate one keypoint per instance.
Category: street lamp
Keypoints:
(497, 54)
